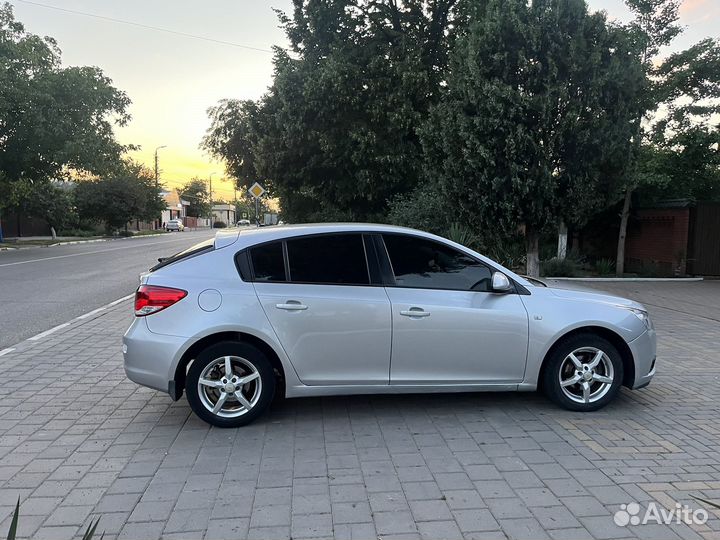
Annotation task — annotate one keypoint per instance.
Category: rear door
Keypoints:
(333, 323)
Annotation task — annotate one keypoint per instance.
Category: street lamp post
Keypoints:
(157, 176)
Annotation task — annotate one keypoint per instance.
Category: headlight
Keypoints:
(643, 316)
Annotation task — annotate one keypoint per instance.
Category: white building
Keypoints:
(224, 213)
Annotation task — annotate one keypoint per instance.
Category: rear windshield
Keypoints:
(197, 249)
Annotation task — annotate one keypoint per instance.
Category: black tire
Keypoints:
(247, 353)
(556, 361)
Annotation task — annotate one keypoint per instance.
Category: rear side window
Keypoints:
(268, 262)
(424, 264)
(331, 259)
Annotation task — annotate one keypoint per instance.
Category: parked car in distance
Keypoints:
(175, 225)
(316, 310)
(243, 223)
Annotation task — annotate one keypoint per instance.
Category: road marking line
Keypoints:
(48, 332)
(7, 351)
(89, 313)
(116, 302)
(91, 252)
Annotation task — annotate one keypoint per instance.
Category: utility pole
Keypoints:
(212, 214)
(157, 181)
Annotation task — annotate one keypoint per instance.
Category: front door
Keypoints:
(333, 324)
(448, 328)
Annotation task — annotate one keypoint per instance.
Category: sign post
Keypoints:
(257, 191)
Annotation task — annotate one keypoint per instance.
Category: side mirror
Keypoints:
(500, 283)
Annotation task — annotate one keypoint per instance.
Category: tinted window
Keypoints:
(328, 259)
(268, 262)
(424, 264)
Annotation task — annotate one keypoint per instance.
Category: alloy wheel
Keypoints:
(586, 375)
(229, 386)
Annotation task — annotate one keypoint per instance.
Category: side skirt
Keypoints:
(346, 390)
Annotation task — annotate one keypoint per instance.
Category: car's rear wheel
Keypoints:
(230, 384)
(583, 373)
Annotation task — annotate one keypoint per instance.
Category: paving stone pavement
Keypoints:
(78, 440)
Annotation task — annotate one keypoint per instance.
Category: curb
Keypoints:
(621, 280)
(80, 319)
(74, 242)
(106, 239)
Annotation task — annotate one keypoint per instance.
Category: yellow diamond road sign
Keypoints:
(256, 190)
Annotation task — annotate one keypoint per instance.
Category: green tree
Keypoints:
(196, 193)
(40, 199)
(677, 109)
(536, 116)
(45, 200)
(336, 136)
(125, 195)
(52, 119)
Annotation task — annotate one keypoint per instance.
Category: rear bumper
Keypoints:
(644, 349)
(150, 359)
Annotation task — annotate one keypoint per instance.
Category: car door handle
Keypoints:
(415, 312)
(291, 306)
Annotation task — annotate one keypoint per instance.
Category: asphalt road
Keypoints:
(43, 287)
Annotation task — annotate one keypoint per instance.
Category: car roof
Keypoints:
(270, 232)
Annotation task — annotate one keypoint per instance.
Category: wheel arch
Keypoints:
(178, 382)
(613, 337)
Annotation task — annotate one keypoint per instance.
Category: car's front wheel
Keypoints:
(230, 384)
(583, 373)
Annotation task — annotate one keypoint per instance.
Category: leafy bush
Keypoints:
(559, 267)
(125, 233)
(605, 267)
(510, 253)
(463, 235)
(219, 225)
(77, 232)
(650, 269)
(421, 209)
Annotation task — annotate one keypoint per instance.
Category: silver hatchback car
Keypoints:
(316, 310)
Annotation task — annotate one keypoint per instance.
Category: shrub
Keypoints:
(219, 225)
(650, 269)
(420, 209)
(559, 267)
(463, 235)
(510, 253)
(605, 267)
(77, 232)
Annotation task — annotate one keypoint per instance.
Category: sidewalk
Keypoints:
(78, 440)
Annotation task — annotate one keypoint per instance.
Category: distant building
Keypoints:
(224, 213)
(176, 208)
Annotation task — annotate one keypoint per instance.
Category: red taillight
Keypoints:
(151, 299)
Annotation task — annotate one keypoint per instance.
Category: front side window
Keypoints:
(268, 262)
(424, 264)
(331, 259)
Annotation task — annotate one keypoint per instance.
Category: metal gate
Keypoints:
(704, 248)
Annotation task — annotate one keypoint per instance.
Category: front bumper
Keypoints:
(644, 349)
(150, 359)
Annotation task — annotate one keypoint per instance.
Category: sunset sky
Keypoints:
(173, 79)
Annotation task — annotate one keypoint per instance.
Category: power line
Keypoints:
(146, 26)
